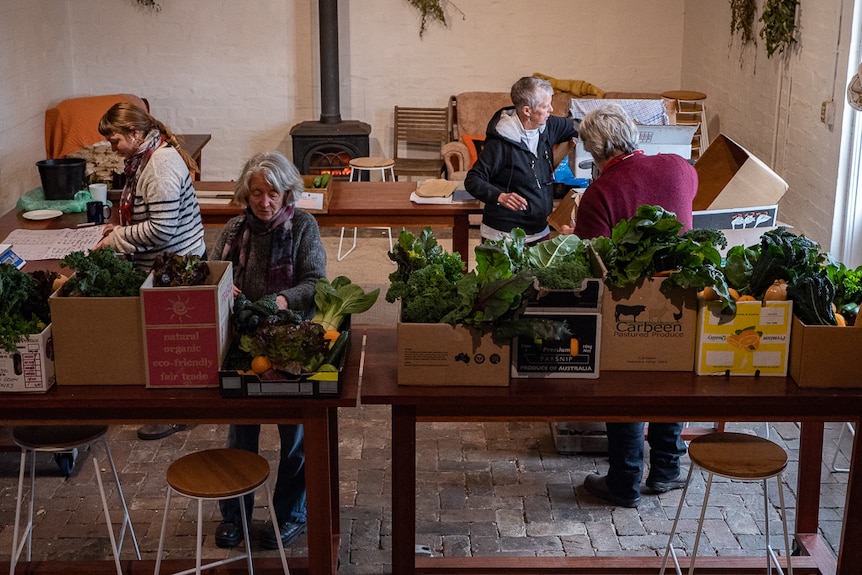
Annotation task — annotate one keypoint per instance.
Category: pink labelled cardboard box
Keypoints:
(187, 329)
(97, 340)
(31, 368)
(438, 354)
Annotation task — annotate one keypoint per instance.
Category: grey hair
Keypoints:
(607, 130)
(277, 171)
(530, 91)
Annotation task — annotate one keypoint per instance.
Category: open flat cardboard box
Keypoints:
(31, 368)
(735, 189)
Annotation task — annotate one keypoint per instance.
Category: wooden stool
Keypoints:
(60, 439)
(360, 166)
(691, 111)
(215, 474)
(737, 456)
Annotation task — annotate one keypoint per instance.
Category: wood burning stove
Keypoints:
(328, 145)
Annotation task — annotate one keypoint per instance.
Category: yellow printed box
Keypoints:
(754, 341)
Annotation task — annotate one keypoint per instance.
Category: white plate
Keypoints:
(42, 214)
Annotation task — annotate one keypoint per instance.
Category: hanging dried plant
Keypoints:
(779, 25)
(432, 10)
(742, 13)
(150, 5)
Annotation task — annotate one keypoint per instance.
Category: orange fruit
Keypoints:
(261, 364)
(746, 298)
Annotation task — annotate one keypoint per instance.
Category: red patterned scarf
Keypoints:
(133, 167)
(281, 254)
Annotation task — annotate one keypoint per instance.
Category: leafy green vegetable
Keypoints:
(171, 270)
(291, 347)
(249, 315)
(429, 295)
(812, 297)
(848, 287)
(562, 262)
(739, 263)
(101, 274)
(650, 243)
(338, 299)
(411, 254)
(784, 255)
(24, 306)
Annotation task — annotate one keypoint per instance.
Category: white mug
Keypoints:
(99, 192)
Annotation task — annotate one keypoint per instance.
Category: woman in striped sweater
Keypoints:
(159, 212)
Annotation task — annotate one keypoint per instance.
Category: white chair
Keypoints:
(59, 439)
(358, 167)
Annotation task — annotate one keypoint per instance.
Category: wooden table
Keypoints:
(617, 396)
(64, 405)
(378, 204)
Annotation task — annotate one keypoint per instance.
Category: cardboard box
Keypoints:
(731, 178)
(97, 340)
(558, 358)
(31, 367)
(187, 329)
(754, 341)
(666, 140)
(816, 353)
(645, 330)
(575, 357)
(438, 354)
(314, 200)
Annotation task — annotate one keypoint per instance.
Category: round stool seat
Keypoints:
(738, 455)
(217, 473)
(371, 163)
(683, 95)
(56, 438)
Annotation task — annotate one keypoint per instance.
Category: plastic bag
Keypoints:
(35, 200)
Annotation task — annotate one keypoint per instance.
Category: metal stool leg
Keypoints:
(127, 518)
(18, 544)
(164, 531)
(274, 521)
(669, 550)
(341, 241)
(847, 426)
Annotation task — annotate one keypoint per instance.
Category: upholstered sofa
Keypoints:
(471, 112)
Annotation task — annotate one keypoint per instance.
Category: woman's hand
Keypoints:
(281, 302)
(512, 201)
(104, 242)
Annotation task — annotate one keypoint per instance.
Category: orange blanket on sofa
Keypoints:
(74, 123)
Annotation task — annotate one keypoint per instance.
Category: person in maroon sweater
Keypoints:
(628, 180)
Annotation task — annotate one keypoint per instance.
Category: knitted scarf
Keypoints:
(133, 167)
(280, 276)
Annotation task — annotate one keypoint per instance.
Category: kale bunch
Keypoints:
(101, 274)
(249, 316)
(172, 270)
(413, 253)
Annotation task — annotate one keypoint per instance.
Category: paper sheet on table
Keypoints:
(53, 244)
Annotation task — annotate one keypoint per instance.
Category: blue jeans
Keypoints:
(289, 494)
(626, 455)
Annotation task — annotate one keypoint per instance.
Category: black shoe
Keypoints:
(598, 485)
(288, 530)
(665, 486)
(159, 430)
(228, 534)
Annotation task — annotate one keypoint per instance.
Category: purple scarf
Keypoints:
(236, 248)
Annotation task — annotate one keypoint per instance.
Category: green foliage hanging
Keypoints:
(742, 13)
(779, 25)
(431, 10)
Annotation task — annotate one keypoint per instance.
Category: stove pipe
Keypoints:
(329, 88)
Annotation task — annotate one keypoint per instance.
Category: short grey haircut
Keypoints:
(530, 91)
(277, 171)
(607, 130)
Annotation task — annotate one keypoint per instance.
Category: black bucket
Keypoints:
(62, 178)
